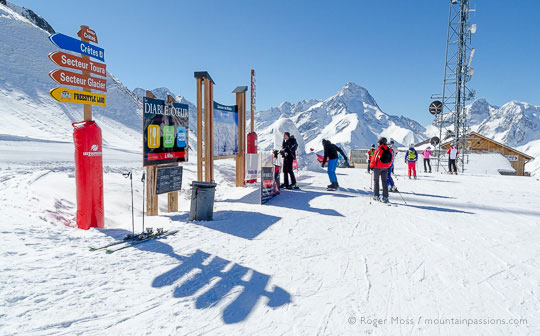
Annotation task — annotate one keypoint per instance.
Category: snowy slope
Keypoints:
(26, 108)
(350, 118)
(310, 262)
(515, 124)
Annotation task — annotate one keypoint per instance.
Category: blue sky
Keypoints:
(308, 49)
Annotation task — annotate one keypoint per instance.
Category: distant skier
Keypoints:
(381, 161)
(391, 185)
(370, 155)
(452, 156)
(427, 154)
(331, 153)
(288, 151)
(410, 158)
(394, 149)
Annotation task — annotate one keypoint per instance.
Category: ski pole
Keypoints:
(126, 175)
(371, 187)
(143, 191)
(402, 197)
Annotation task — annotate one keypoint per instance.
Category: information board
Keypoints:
(269, 183)
(225, 130)
(165, 132)
(168, 179)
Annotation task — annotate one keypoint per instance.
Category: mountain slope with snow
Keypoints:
(26, 108)
(350, 118)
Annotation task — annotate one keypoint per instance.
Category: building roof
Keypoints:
(528, 157)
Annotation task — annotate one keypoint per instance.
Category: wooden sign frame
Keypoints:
(205, 133)
(152, 200)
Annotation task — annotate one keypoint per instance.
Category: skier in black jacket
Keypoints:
(288, 151)
(331, 153)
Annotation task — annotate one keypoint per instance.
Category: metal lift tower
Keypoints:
(457, 73)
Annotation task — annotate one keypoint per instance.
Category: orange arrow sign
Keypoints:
(88, 34)
(76, 79)
(75, 62)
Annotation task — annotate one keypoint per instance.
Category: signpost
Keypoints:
(87, 34)
(86, 135)
(65, 95)
(71, 78)
(72, 44)
(165, 141)
(78, 63)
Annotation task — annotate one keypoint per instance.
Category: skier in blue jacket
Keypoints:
(410, 158)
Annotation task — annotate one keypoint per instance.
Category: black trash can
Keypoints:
(202, 200)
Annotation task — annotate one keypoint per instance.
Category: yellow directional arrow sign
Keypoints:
(65, 95)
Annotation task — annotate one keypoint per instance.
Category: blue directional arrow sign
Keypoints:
(78, 46)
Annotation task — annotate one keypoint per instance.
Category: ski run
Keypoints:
(464, 249)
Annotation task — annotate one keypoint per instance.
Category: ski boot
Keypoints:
(296, 187)
(377, 198)
(332, 187)
(415, 177)
(385, 200)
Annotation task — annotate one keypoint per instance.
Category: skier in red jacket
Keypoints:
(380, 163)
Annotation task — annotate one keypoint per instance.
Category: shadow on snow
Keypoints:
(200, 269)
(300, 199)
(243, 224)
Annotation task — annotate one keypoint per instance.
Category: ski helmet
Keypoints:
(382, 141)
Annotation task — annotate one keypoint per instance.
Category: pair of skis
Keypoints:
(132, 240)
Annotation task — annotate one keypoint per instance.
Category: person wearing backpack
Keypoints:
(331, 153)
(381, 161)
(410, 158)
(427, 154)
(370, 155)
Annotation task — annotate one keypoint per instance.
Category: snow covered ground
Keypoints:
(310, 262)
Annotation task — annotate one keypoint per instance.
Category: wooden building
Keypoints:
(477, 143)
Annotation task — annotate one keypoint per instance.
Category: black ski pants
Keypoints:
(452, 164)
(427, 162)
(288, 170)
(381, 173)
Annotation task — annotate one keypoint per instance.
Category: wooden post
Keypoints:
(172, 202)
(151, 174)
(87, 108)
(199, 131)
(210, 161)
(207, 133)
(241, 157)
